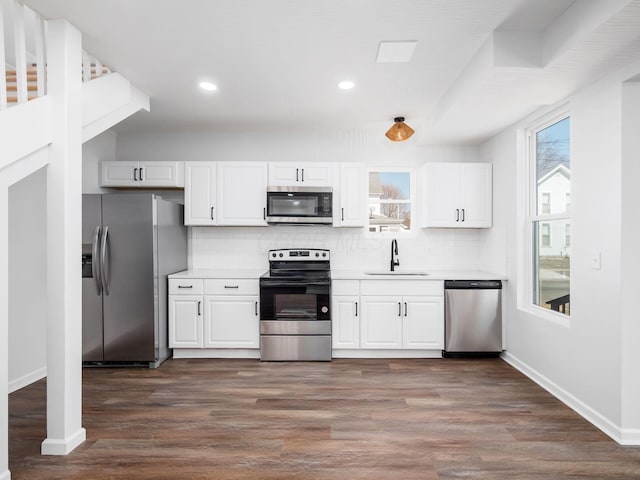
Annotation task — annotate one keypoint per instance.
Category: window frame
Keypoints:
(412, 202)
(532, 216)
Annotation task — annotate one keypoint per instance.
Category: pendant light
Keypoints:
(399, 131)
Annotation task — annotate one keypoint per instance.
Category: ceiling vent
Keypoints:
(396, 52)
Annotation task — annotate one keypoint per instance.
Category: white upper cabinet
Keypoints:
(283, 174)
(350, 200)
(142, 174)
(242, 193)
(199, 193)
(457, 195)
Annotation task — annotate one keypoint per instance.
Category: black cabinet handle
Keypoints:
(399, 309)
(135, 174)
(342, 214)
(199, 311)
(463, 214)
(356, 309)
(457, 214)
(303, 174)
(297, 180)
(405, 309)
(185, 286)
(256, 309)
(264, 213)
(212, 213)
(232, 286)
(141, 179)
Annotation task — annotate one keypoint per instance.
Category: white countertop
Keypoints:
(251, 273)
(433, 275)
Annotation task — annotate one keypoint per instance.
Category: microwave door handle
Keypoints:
(95, 260)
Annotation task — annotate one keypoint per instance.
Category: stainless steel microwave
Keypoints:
(300, 205)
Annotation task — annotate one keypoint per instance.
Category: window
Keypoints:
(390, 200)
(546, 235)
(546, 202)
(550, 225)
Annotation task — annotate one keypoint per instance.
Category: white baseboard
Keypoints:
(27, 379)
(63, 446)
(216, 353)
(6, 475)
(623, 437)
(382, 353)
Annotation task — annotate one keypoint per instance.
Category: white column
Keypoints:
(4, 330)
(64, 226)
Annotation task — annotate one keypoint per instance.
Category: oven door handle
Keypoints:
(296, 283)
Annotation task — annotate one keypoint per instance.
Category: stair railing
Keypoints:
(23, 55)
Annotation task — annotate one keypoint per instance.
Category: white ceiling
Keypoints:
(277, 63)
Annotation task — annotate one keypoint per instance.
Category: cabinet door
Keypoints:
(118, 174)
(381, 325)
(199, 193)
(284, 174)
(352, 195)
(475, 195)
(316, 174)
(423, 322)
(231, 322)
(161, 174)
(242, 193)
(442, 195)
(346, 322)
(185, 321)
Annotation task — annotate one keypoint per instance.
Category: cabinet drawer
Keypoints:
(185, 286)
(345, 287)
(236, 286)
(402, 287)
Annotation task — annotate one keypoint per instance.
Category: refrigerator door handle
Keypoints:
(104, 261)
(95, 263)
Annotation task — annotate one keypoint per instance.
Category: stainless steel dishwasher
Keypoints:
(473, 318)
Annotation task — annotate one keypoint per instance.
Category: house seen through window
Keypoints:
(549, 218)
(390, 198)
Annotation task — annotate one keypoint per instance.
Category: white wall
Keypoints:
(100, 148)
(580, 362)
(28, 280)
(213, 247)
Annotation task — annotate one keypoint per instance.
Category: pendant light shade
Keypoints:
(399, 131)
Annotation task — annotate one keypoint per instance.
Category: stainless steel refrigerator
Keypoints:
(130, 243)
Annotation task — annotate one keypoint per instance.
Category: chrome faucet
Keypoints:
(394, 251)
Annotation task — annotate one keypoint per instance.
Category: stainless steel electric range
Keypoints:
(295, 306)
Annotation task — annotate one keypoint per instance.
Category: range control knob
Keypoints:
(324, 309)
(281, 254)
(273, 254)
(324, 254)
(317, 254)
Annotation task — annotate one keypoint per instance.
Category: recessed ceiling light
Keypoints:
(346, 85)
(208, 86)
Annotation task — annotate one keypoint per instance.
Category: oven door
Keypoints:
(298, 301)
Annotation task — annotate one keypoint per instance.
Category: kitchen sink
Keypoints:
(397, 273)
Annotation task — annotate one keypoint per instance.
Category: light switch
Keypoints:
(595, 260)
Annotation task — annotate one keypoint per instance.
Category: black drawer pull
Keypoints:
(231, 286)
(185, 286)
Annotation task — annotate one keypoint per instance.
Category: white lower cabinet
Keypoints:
(411, 322)
(402, 314)
(345, 321)
(185, 321)
(225, 314)
(231, 322)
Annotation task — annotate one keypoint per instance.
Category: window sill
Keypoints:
(557, 318)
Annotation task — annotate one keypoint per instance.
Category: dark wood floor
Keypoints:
(348, 419)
